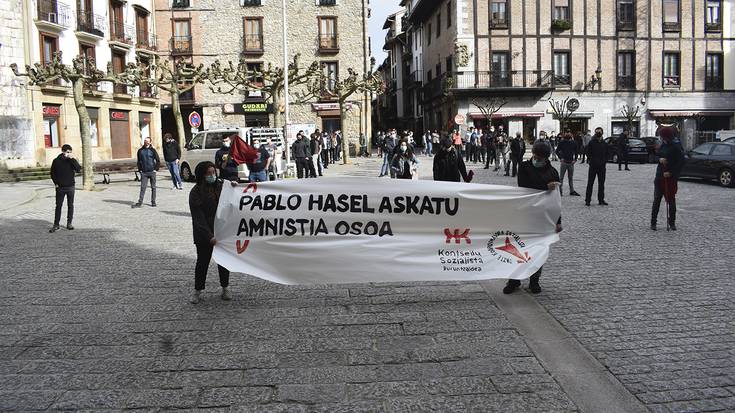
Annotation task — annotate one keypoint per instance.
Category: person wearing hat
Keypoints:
(536, 173)
(665, 184)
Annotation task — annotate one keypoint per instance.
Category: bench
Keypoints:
(106, 168)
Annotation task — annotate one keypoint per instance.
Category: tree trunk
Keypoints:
(345, 141)
(179, 120)
(83, 114)
(276, 111)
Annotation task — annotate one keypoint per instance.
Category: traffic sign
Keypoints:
(195, 119)
(459, 119)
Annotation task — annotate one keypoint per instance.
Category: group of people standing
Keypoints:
(312, 154)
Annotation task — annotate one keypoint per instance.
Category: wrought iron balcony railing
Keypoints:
(55, 12)
(91, 23)
(181, 44)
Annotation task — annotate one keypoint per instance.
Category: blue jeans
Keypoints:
(429, 147)
(386, 167)
(173, 169)
(261, 176)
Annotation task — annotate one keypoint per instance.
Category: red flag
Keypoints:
(241, 152)
(670, 188)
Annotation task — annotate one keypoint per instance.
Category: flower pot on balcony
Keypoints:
(560, 25)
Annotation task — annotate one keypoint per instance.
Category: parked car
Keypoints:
(730, 139)
(652, 145)
(711, 160)
(637, 150)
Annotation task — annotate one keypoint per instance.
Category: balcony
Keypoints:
(713, 27)
(328, 43)
(713, 83)
(626, 82)
(120, 89)
(247, 3)
(563, 80)
(146, 40)
(415, 79)
(671, 26)
(627, 25)
(180, 4)
(94, 24)
(253, 44)
(54, 14)
(327, 2)
(499, 22)
(122, 33)
(516, 80)
(146, 92)
(181, 45)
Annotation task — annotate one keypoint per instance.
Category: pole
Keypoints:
(285, 84)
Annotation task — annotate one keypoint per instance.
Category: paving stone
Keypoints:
(229, 396)
(311, 394)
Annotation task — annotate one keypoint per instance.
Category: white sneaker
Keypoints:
(195, 297)
(226, 294)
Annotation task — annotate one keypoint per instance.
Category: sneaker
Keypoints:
(69, 227)
(603, 203)
(153, 204)
(574, 193)
(181, 188)
(226, 294)
(510, 287)
(195, 297)
(535, 288)
(54, 229)
(136, 205)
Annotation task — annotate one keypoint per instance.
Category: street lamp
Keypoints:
(595, 80)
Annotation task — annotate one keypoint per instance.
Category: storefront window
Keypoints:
(619, 127)
(94, 131)
(145, 126)
(51, 126)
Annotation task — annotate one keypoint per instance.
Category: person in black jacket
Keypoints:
(203, 201)
(172, 154)
(222, 160)
(311, 170)
(597, 160)
(148, 164)
(448, 163)
(567, 152)
(300, 152)
(623, 146)
(63, 169)
(515, 154)
(671, 160)
(536, 173)
(388, 146)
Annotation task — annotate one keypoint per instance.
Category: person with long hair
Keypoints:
(404, 163)
(203, 201)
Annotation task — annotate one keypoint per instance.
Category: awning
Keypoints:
(476, 115)
(688, 114)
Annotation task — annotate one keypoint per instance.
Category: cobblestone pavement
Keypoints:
(97, 318)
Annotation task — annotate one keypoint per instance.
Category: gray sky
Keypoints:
(380, 10)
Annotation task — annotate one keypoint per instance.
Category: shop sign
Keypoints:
(118, 115)
(247, 108)
(51, 110)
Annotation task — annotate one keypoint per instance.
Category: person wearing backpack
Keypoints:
(449, 165)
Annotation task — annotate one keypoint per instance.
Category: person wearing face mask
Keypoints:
(148, 164)
(671, 160)
(203, 201)
(404, 163)
(224, 163)
(388, 148)
(449, 165)
(567, 152)
(300, 153)
(63, 169)
(172, 154)
(259, 166)
(536, 173)
(490, 148)
(597, 160)
(515, 154)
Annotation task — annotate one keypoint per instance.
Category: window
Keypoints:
(246, 3)
(144, 125)
(498, 14)
(214, 139)
(117, 23)
(671, 15)
(703, 149)
(561, 10)
(196, 141)
(331, 75)
(143, 38)
(181, 42)
(713, 79)
(449, 13)
(94, 127)
(626, 70)
(255, 67)
(428, 34)
(626, 15)
(450, 64)
(146, 90)
(618, 127)
(500, 74)
(438, 69)
(438, 24)
(328, 33)
(49, 47)
(671, 70)
(118, 66)
(88, 52)
(722, 150)
(51, 126)
(429, 76)
(713, 16)
(562, 69)
(253, 34)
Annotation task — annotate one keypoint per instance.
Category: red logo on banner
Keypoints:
(242, 246)
(512, 246)
(456, 236)
(250, 185)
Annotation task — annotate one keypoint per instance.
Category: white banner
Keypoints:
(359, 230)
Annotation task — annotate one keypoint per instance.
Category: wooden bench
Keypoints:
(107, 168)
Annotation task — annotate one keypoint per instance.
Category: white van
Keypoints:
(204, 145)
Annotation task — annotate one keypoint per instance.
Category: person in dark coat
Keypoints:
(63, 169)
(623, 145)
(536, 173)
(203, 201)
(449, 165)
(224, 162)
(597, 160)
(148, 164)
(310, 169)
(172, 154)
(516, 144)
(671, 160)
(300, 152)
(567, 152)
(404, 163)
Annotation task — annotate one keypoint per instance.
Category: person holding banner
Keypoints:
(449, 165)
(536, 173)
(203, 201)
(404, 164)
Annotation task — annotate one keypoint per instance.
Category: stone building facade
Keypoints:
(671, 58)
(110, 32)
(332, 32)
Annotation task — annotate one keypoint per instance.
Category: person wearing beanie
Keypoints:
(665, 183)
(597, 160)
(63, 169)
(536, 173)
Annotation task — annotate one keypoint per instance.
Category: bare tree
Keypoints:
(561, 111)
(81, 72)
(490, 107)
(630, 114)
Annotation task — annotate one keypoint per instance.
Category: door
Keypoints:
(330, 125)
(696, 158)
(500, 75)
(529, 129)
(120, 134)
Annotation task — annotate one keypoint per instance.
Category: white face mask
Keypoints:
(227, 144)
(404, 148)
(256, 145)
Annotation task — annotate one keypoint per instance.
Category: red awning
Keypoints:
(476, 115)
(688, 114)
